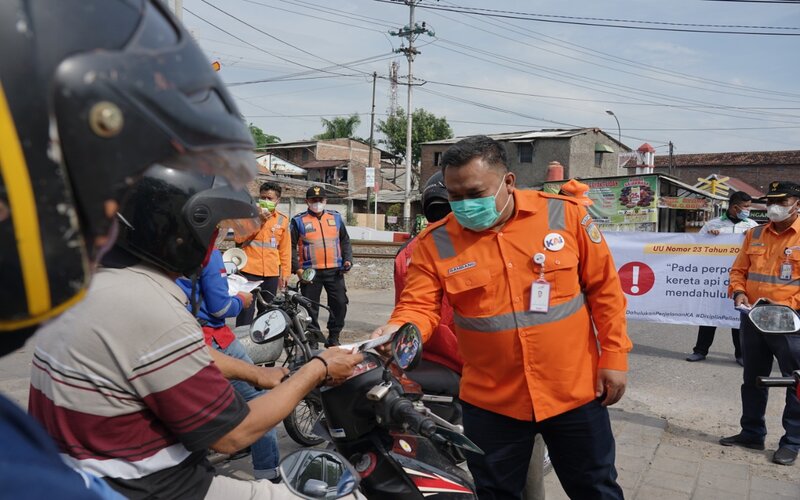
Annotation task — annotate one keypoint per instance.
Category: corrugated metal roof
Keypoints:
(314, 164)
(522, 136)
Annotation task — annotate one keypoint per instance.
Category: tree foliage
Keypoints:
(260, 138)
(340, 127)
(425, 127)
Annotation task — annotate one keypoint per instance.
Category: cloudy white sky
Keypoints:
(705, 92)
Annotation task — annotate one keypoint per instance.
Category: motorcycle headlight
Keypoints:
(303, 316)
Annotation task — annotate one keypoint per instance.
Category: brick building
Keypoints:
(755, 168)
(339, 162)
(586, 152)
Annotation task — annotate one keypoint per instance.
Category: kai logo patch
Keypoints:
(309, 227)
(594, 233)
(586, 219)
(462, 267)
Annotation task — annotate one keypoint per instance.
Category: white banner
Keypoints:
(677, 278)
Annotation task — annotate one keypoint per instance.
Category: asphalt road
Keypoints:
(700, 401)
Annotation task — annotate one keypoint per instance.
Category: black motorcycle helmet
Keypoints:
(93, 92)
(435, 204)
(171, 217)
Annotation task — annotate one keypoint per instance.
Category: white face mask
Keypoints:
(317, 208)
(779, 213)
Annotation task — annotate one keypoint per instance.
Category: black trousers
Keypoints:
(705, 337)
(580, 443)
(760, 351)
(269, 288)
(332, 280)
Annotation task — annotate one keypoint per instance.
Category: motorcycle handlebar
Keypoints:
(775, 381)
(403, 411)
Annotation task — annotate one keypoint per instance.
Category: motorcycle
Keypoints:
(775, 319)
(286, 318)
(399, 447)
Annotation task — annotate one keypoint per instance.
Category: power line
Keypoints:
(585, 21)
(257, 47)
(613, 58)
(273, 37)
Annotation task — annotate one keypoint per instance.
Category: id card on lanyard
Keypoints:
(540, 289)
(786, 267)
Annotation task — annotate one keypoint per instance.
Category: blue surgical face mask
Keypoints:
(478, 214)
(743, 214)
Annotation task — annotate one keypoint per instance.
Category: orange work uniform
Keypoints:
(318, 242)
(757, 269)
(269, 251)
(516, 362)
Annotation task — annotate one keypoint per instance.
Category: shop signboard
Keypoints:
(620, 200)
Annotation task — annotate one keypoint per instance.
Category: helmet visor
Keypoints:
(239, 228)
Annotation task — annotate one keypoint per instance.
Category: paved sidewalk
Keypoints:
(651, 468)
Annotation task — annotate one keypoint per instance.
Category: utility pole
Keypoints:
(410, 33)
(671, 149)
(371, 138)
(176, 6)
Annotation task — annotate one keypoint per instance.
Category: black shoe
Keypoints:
(740, 361)
(738, 440)
(695, 356)
(784, 456)
(332, 342)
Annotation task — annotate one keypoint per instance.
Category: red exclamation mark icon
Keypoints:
(635, 280)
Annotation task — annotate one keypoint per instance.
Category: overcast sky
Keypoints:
(705, 92)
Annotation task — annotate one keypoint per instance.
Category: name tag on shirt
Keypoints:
(540, 297)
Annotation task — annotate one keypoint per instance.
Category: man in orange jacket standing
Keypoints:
(768, 266)
(268, 250)
(527, 274)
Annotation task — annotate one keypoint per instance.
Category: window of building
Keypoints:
(525, 151)
(599, 151)
(304, 155)
(437, 158)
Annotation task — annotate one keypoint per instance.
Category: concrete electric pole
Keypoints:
(410, 33)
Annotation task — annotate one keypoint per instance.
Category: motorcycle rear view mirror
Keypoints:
(308, 275)
(271, 325)
(775, 319)
(407, 346)
(315, 474)
(234, 259)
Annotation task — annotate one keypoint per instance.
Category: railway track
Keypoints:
(365, 249)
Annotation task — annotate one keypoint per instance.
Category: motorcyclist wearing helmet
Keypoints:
(136, 359)
(442, 347)
(92, 92)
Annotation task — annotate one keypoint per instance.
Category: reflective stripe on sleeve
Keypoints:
(556, 218)
(444, 245)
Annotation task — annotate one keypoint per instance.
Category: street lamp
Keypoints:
(619, 129)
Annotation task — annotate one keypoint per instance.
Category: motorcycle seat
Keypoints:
(435, 379)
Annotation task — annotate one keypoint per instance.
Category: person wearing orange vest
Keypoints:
(530, 278)
(268, 250)
(320, 242)
(768, 266)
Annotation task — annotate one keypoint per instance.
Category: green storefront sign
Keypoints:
(620, 200)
